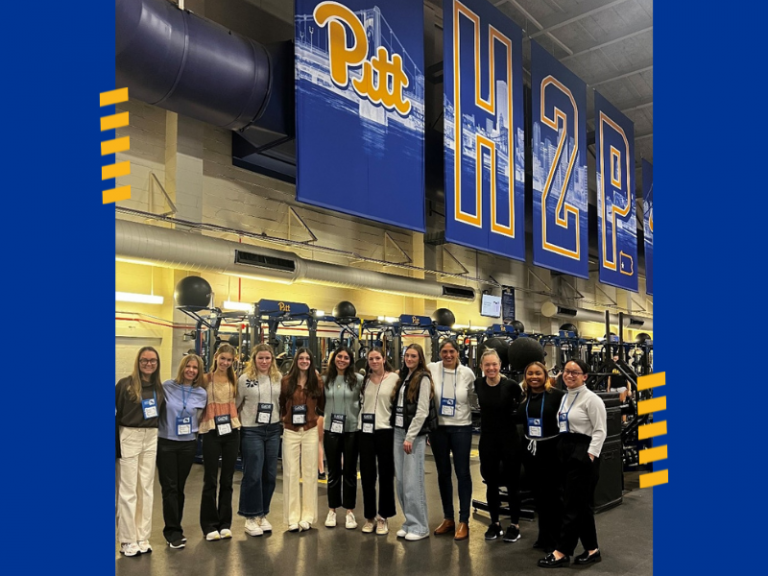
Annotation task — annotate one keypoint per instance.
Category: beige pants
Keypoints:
(136, 483)
(300, 476)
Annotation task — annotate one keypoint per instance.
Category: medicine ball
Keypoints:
(642, 337)
(518, 326)
(570, 328)
(522, 352)
(443, 317)
(500, 345)
(193, 291)
(344, 309)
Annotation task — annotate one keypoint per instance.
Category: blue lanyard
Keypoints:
(572, 403)
(184, 399)
(541, 417)
(455, 383)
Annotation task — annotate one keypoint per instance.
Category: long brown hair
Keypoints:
(231, 376)
(199, 379)
(331, 372)
(387, 366)
(135, 388)
(419, 372)
(312, 385)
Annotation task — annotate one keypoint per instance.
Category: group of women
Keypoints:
(385, 419)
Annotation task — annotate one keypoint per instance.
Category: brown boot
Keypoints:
(462, 532)
(446, 527)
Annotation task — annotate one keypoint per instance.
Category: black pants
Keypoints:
(545, 479)
(500, 466)
(174, 461)
(341, 456)
(580, 476)
(457, 440)
(378, 448)
(216, 514)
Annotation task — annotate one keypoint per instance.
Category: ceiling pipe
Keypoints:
(552, 310)
(146, 244)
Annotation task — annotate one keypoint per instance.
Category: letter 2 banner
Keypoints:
(560, 210)
(616, 218)
(360, 108)
(648, 224)
(483, 125)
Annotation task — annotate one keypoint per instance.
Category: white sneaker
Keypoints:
(401, 533)
(129, 549)
(369, 526)
(252, 527)
(212, 536)
(304, 526)
(382, 527)
(330, 520)
(351, 522)
(226, 533)
(411, 536)
(264, 524)
(293, 527)
(144, 546)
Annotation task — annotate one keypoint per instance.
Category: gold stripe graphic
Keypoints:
(115, 170)
(113, 97)
(650, 430)
(651, 381)
(116, 194)
(114, 121)
(116, 145)
(654, 478)
(653, 454)
(652, 405)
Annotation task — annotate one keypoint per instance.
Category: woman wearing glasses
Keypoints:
(138, 401)
(581, 420)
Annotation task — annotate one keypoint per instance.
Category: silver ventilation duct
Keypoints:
(188, 251)
(552, 310)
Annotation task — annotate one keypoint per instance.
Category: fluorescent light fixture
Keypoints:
(319, 313)
(389, 319)
(243, 306)
(138, 298)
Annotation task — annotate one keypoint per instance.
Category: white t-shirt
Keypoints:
(458, 384)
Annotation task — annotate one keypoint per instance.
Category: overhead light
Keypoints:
(243, 306)
(138, 298)
(389, 319)
(319, 313)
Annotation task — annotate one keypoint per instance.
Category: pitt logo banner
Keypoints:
(483, 126)
(559, 156)
(360, 108)
(616, 219)
(648, 224)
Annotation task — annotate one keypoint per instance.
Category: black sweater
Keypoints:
(498, 405)
(552, 400)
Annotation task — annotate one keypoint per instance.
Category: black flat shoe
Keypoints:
(587, 558)
(551, 562)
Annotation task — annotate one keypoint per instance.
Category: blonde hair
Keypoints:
(252, 371)
(135, 387)
(231, 376)
(489, 352)
(198, 381)
(547, 380)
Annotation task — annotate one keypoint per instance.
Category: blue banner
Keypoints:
(616, 218)
(648, 224)
(360, 108)
(483, 125)
(559, 157)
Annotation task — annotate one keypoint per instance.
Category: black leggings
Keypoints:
(500, 466)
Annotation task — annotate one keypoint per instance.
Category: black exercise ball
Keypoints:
(570, 328)
(235, 339)
(642, 337)
(522, 352)
(518, 326)
(193, 291)
(443, 317)
(605, 336)
(500, 345)
(344, 309)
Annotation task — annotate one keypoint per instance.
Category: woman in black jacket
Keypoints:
(538, 412)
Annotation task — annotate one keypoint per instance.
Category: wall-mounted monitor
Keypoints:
(490, 306)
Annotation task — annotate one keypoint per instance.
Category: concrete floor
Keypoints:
(625, 534)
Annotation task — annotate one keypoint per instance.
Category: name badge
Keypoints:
(149, 407)
(264, 415)
(534, 427)
(399, 423)
(299, 415)
(337, 423)
(563, 423)
(183, 425)
(223, 424)
(369, 423)
(447, 407)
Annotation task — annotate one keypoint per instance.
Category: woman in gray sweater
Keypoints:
(582, 424)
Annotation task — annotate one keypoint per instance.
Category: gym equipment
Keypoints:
(518, 326)
(523, 351)
(568, 327)
(501, 346)
(443, 317)
(344, 310)
(193, 291)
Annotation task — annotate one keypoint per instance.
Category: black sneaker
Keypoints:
(513, 534)
(176, 544)
(494, 532)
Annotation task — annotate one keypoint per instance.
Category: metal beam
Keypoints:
(620, 76)
(578, 17)
(608, 43)
(536, 23)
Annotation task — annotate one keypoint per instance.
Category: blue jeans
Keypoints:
(259, 448)
(409, 471)
(456, 439)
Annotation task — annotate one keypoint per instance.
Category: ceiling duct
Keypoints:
(552, 310)
(149, 244)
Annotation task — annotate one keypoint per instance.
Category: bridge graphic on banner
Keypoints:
(314, 73)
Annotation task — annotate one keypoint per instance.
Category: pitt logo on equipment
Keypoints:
(483, 129)
(383, 78)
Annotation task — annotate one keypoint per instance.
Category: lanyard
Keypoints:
(343, 396)
(572, 403)
(541, 417)
(455, 383)
(258, 388)
(378, 387)
(184, 399)
(213, 388)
